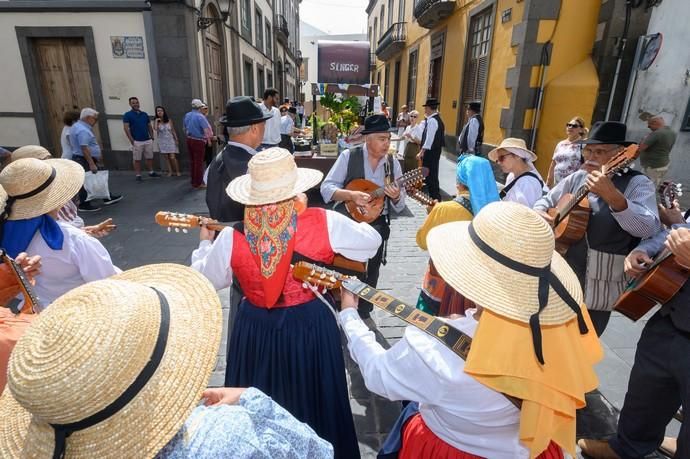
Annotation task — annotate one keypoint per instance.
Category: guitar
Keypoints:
(178, 222)
(662, 280)
(571, 214)
(13, 281)
(372, 210)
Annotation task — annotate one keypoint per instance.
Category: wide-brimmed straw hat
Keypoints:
(3, 199)
(36, 187)
(273, 177)
(504, 260)
(129, 356)
(515, 146)
(30, 151)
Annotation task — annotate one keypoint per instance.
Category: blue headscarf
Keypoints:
(17, 234)
(476, 174)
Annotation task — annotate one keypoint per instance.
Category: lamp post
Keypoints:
(203, 22)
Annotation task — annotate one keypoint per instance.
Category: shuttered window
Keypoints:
(412, 80)
(477, 65)
(685, 125)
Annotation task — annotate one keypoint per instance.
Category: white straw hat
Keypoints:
(273, 177)
(515, 146)
(36, 187)
(30, 151)
(3, 199)
(134, 351)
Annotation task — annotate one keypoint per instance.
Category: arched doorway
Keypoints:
(215, 66)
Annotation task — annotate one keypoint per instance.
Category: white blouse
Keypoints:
(82, 259)
(526, 191)
(457, 408)
(357, 241)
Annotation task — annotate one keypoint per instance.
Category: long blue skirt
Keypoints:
(295, 356)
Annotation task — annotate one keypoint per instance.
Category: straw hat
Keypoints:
(30, 151)
(36, 187)
(90, 346)
(273, 177)
(3, 199)
(521, 235)
(515, 146)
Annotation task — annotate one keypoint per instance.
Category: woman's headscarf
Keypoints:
(476, 174)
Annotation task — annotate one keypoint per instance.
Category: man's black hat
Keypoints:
(475, 106)
(432, 102)
(241, 111)
(292, 110)
(607, 132)
(376, 123)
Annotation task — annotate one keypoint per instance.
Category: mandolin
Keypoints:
(179, 222)
(571, 214)
(372, 210)
(13, 281)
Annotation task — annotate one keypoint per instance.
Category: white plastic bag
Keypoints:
(96, 185)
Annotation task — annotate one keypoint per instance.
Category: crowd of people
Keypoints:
(108, 362)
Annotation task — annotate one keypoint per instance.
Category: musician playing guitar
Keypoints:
(371, 162)
(623, 211)
(660, 376)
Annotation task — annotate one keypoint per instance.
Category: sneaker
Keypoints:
(113, 199)
(138, 178)
(154, 174)
(88, 207)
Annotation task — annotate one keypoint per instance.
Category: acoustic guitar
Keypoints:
(571, 214)
(179, 222)
(372, 210)
(662, 280)
(13, 281)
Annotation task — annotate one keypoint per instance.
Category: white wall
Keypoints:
(665, 88)
(120, 78)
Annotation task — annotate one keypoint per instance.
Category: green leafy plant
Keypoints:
(344, 111)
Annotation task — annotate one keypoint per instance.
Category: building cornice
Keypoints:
(50, 6)
(370, 6)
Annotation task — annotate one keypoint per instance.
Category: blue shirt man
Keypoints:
(196, 125)
(138, 124)
(81, 135)
(140, 134)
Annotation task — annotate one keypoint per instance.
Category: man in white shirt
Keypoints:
(272, 131)
(433, 141)
(287, 128)
(472, 134)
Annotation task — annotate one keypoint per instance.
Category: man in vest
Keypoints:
(472, 134)
(432, 144)
(371, 162)
(623, 211)
(246, 123)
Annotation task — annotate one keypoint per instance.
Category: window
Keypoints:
(381, 21)
(685, 124)
(269, 43)
(477, 59)
(401, 10)
(259, 18)
(412, 79)
(386, 78)
(436, 66)
(375, 37)
(269, 79)
(260, 79)
(248, 77)
(246, 17)
(390, 13)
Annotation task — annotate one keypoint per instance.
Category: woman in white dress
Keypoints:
(524, 184)
(167, 140)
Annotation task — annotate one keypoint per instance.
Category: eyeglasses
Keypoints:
(383, 139)
(599, 151)
(413, 116)
(503, 157)
(572, 126)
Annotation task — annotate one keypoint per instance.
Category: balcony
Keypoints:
(430, 12)
(282, 31)
(392, 42)
(372, 61)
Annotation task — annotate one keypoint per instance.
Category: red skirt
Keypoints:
(419, 442)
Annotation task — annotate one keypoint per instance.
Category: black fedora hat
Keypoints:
(242, 111)
(431, 102)
(475, 106)
(376, 123)
(607, 132)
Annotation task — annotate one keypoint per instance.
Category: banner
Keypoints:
(345, 62)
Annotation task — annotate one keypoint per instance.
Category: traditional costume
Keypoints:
(531, 342)
(475, 174)
(285, 341)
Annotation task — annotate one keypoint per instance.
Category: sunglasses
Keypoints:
(572, 126)
(503, 157)
(413, 116)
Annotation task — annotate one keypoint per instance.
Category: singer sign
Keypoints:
(344, 62)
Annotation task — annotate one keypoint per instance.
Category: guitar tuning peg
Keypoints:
(324, 290)
(312, 272)
(184, 230)
(322, 276)
(305, 285)
(332, 279)
(169, 229)
(177, 230)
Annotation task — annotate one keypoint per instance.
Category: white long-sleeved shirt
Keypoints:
(335, 180)
(287, 125)
(526, 191)
(431, 128)
(456, 407)
(357, 241)
(82, 259)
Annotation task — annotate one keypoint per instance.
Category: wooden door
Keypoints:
(65, 78)
(214, 72)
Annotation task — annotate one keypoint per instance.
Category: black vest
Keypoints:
(439, 139)
(462, 141)
(679, 308)
(603, 231)
(230, 163)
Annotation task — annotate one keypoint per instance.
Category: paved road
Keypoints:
(138, 241)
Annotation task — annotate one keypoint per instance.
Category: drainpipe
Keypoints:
(621, 49)
(633, 79)
(545, 58)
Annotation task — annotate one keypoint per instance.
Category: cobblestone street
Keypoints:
(138, 241)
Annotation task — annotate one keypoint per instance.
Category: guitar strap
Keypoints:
(508, 187)
(456, 340)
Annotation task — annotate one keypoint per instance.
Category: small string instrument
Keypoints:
(179, 222)
(668, 192)
(372, 210)
(571, 214)
(13, 281)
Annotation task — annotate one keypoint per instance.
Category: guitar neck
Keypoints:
(581, 194)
